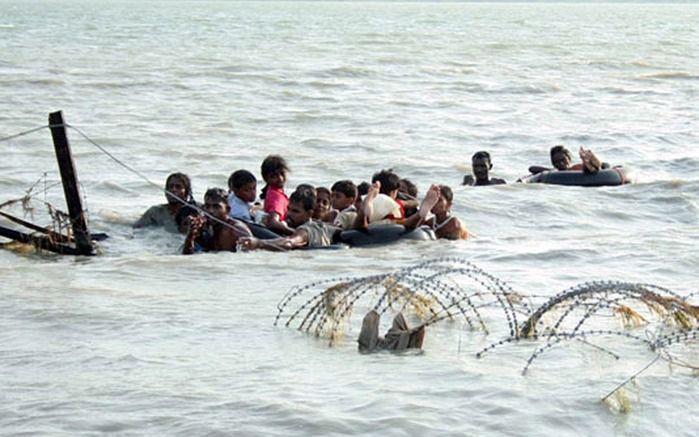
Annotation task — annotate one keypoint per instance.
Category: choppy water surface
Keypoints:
(141, 341)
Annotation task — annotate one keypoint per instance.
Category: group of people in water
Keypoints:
(561, 160)
(233, 219)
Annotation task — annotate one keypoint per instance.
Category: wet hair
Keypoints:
(389, 180)
(409, 187)
(307, 198)
(217, 195)
(184, 212)
(482, 155)
(239, 179)
(305, 187)
(446, 192)
(185, 181)
(560, 149)
(363, 188)
(272, 164)
(345, 187)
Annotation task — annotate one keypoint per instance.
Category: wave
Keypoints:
(669, 75)
(344, 71)
(53, 81)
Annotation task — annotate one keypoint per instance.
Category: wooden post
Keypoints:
(39, 241)
(69, 177)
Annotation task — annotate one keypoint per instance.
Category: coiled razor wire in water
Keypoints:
(433, 290)
(451, 288)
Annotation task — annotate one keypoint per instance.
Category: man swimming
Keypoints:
(481, 164)
(219, 232)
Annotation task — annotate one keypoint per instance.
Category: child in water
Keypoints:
(443, 223)
(242, 191)
(274, 171)
(344, 197)
(323, 210)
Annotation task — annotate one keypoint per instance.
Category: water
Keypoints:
(141, 341)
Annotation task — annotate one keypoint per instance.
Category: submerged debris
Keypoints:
(444, 288)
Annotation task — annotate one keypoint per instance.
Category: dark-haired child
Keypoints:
(242, 191)
(323, 209)
(443, 223)
(274, 171)
(344, 197)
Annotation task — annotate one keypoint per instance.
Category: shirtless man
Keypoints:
(307, 232)
(481, 165)
(218, 232)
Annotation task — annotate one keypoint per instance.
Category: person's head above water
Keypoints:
(343, 194)
(243, 184)
(179, 185)
(216, 203)
(390, 182)
(408, 187)
(481, 165)
(301, 206)
(561, 158)
(443, 205)
(274, 171)
(323, 203)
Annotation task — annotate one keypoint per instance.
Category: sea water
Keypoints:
(142, 341)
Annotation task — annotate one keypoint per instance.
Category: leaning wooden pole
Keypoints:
(69, 177)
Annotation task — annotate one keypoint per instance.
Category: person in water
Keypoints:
(562, 160)
(242, 191)
(369, 204)
(481, 164)
(307, 232)
(274, 171)
(216, 232)
(443, 223)
(178, 193)
(344, 196)
(407, 194)
(323, 208)
(385, 208)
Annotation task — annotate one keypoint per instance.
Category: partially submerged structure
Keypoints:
(77, 239)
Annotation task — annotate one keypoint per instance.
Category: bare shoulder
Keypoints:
(454, 230)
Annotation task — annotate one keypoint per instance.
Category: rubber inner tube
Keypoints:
(607, 177)
(383, 234)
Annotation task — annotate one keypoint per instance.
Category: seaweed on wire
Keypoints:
(600, 298)
(429, 289)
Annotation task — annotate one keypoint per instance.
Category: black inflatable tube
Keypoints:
(603, 178)
(261, 232)
(383, 234)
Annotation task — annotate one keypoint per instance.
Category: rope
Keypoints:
(21, 134)
(145, 178)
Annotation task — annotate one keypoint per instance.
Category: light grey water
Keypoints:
(142, 341)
